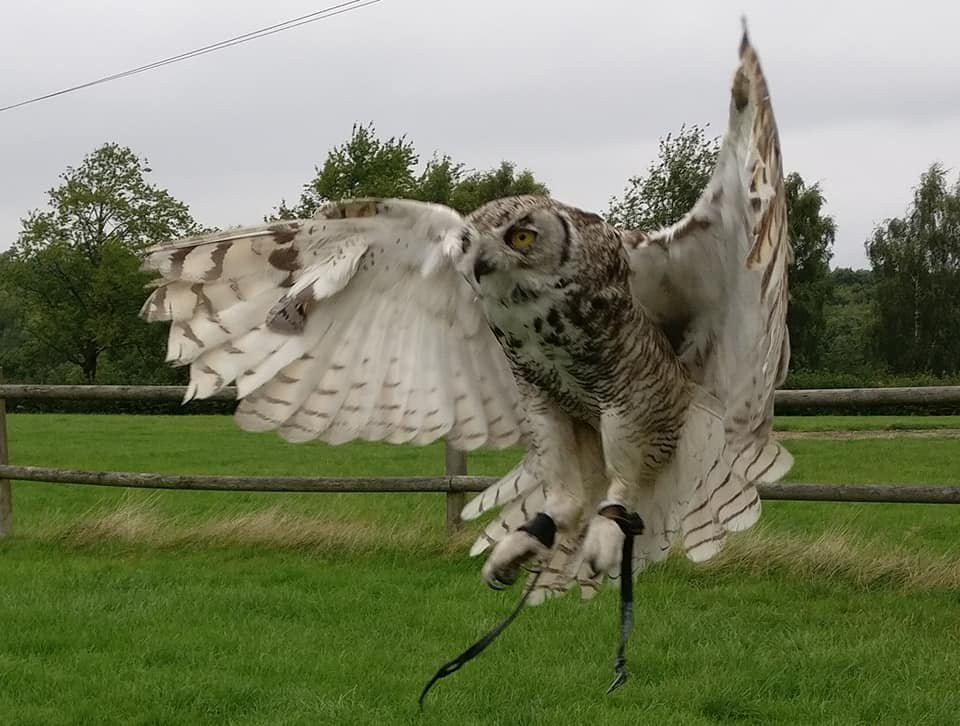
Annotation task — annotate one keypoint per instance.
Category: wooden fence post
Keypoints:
(6, 495)
(456, 465)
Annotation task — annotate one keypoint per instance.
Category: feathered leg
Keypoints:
(553, 439)
(639, 441)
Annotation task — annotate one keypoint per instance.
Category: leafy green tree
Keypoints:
(850, 317)
(368, 166)
(75, 268)
(672, 184)
(916, 263)
(477, 188)
(12, 339)
(364, 166)
(439, 180)
(812, 234)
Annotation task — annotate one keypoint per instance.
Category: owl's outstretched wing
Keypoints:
(350, 325)
(717, 283)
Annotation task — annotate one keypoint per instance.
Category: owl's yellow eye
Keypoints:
(521, 239)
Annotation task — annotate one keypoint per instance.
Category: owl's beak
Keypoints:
(482, 266)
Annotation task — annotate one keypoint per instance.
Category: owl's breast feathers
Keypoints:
(584, 341)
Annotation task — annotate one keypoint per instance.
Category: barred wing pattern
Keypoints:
(717, 283)
(350, 325)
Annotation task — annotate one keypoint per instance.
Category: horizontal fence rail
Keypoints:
(869, 397)
(890, 493)
(813, 398)
(455, 484)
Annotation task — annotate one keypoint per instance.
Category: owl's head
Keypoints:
(528, 240)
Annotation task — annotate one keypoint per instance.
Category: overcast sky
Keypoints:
(866, 95)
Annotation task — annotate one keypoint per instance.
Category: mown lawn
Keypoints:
(136, 607)
(866, 423)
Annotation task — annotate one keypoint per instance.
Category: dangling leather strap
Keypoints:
(631, 525)
(477, 648)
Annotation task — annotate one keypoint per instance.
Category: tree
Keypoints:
(75, 266)
(672, 184)
(475, 189)
(916, 263)
(368, 166)
(812, 234)
(439, 181)
(12, 339)
(363, 166)
(849, 316)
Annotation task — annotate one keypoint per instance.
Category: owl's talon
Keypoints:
(532, 541)
(502, 568)
(601, 548)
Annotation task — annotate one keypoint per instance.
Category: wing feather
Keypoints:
(719, 278)
(352, 324)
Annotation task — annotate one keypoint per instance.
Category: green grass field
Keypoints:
(866, 423)
(138, 607)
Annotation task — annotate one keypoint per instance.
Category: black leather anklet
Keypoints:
(629, 522)
(542, 528)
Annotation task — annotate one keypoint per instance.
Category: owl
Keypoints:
(637, 367)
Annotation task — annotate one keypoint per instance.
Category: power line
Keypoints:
(313, 17)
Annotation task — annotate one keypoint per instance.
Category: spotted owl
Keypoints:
(637, 367)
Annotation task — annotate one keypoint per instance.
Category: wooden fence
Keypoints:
(455, 484)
